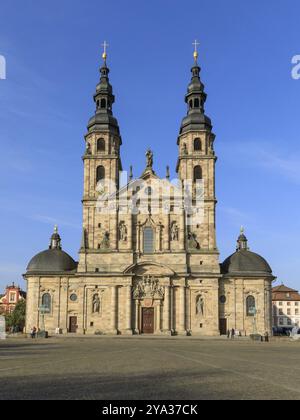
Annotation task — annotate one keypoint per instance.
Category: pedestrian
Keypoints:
(32, 332)
(228, 333)
(266, 337)
(232, 334)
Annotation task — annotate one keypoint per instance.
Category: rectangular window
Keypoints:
(148, 240)
(289, 321)
(288, 303)
(12, 297)
(296, 303)
(289, 312)
(280, 303)
(296, 311)
(280, 312)
(280, 321)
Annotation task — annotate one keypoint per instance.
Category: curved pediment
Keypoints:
(148, 268)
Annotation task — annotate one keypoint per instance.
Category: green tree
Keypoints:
(17, 317)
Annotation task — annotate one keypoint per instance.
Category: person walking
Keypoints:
(266, 337)
(32, 332)
(232, 334)
(228, 333)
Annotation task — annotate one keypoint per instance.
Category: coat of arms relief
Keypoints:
(148, 288)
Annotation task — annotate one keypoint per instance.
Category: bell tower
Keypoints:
(102, 162)
(197, 158)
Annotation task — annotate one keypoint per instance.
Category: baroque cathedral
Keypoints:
(144, 267)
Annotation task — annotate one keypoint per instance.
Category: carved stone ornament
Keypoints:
(148, 288)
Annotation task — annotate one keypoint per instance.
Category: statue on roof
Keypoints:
(149, 157)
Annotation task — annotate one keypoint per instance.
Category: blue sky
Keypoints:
(53, 51)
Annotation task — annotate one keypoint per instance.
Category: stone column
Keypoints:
(158, 314)
(188, 326)
(129, 231)
(138, 238)
(64, 319)
(166, 311)
(167, 232)
(182, 238)
(172, 309)
(159, 237)
(128, 306)
(114, 230)
(136, 319)
(32, 303)
(114, 309)
(180, 310)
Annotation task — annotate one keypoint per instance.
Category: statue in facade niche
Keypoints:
(184, 149)
(96, 304)
(88, 149)
(105, 241)
(200, 305)
(114, 147)
(174, 232)
(123, 231)
(149, 157)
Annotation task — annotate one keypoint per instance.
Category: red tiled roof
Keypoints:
(283, 293)
(283, 288)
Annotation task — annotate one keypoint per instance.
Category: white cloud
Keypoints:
(235, 216)
(52, 221)
(266, 156)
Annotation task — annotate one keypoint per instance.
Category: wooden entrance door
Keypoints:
(73, 324)
(223, 326)
(148, 320)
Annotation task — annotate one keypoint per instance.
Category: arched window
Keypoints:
(197, 144)
(46, 301)
(197, 173)
(103, 103)
(101, 145)
(250, 306)
(148, 240)
(196, 103)
(100, 173)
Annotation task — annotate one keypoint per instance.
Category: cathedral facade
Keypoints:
(148, 261)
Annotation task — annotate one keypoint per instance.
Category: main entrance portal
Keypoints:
(147, 320)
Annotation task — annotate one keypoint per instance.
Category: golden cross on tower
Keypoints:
(104, 55)
(195, 43)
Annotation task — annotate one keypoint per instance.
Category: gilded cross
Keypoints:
(104, 45)
(195, 43)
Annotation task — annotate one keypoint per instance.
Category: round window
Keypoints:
(223, 299)
(73, 297)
